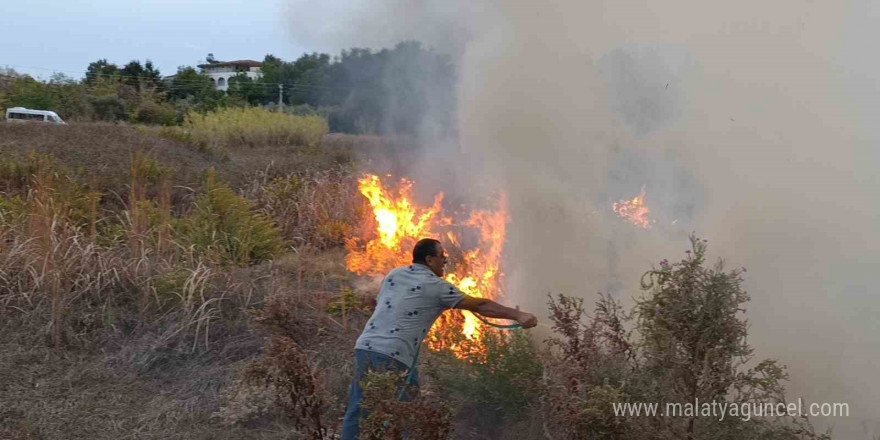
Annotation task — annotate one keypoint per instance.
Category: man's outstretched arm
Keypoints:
(492, 309)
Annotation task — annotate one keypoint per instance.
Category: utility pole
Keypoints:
(280, 95)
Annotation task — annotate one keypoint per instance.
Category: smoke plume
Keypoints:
(748, 122)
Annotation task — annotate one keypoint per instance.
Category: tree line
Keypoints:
(405, 89)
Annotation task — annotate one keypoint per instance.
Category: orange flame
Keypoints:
(397, 223)
(634, 210)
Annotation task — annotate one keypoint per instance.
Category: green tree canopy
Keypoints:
(190, 83)
(248, 90)
(101, 69)
(140, 75)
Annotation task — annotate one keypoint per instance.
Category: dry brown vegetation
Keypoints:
(119, 314)
(150, 288)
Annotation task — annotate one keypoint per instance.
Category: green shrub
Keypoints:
(108, 108)
(150, 112)
(168, 285)
(71, 200)
(12, 210)
(347, 302)
(493, 386)
(224, 228)
(685, 339)
(422, 417)
(179, 134)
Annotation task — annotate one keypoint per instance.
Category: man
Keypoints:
(410, 300)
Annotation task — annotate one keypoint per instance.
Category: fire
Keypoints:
(634, 210)
(397, 223)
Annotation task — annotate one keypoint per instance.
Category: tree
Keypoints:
(140, 76)
(100, 69)
(304, 80)
(423, 91)
(401, 90)
(7, 74)
(189, 82)
(70, 96)
(249, 90)
(25, 91)
(7, 78)
(273, 69)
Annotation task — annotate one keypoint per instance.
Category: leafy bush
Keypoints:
(12, 210)
(224, 228)
(496, 384)
(307, 110)
(150, 112)
(589, 367)
(288, 372)
(421, 417)
(168, 285)
(691, 345)
(40, 180)
(108, 108)
(347, 302)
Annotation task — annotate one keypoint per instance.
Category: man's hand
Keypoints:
(527, 320)
(492, 309)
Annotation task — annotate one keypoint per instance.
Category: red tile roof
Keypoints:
(237, 63)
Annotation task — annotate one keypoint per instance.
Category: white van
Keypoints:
(21, 114)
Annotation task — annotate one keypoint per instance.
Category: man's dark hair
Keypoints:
(426, 247)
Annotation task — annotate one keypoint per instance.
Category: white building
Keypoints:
(221, 71)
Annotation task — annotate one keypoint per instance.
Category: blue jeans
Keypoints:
(366, 361)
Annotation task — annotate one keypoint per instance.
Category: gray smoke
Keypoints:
(748, 122)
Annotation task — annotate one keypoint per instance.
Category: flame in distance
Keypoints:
(634, 211)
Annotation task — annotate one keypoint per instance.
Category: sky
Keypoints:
(65, 36)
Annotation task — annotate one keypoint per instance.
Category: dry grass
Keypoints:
(230, 129)
(254, 126)
(100, 155)
(319, 208)
(100, 151)
(172, 371)
(116, 323)
(110, 325)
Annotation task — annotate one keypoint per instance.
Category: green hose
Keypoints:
(498, 326)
